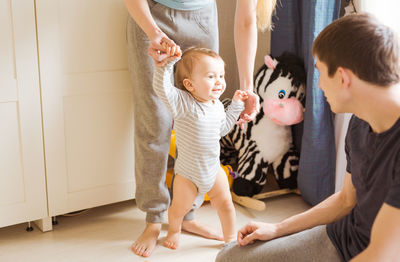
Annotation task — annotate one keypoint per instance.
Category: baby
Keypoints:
(199, 122)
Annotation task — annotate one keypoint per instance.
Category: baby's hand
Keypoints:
(171, 49)
(164, 51)
(240, 95)
(243, 96)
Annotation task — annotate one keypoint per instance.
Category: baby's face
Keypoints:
(208, 78)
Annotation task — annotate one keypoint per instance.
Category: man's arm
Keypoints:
(385, 237)
(330, 210)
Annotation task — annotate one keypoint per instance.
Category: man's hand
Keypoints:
(251, 108)
(162, 49)
(256, 231)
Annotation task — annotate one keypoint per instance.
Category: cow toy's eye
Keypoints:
(281, 94)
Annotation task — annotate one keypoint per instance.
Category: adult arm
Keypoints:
(330, 210)
(140, 12)
(245, 36)
(385, 237)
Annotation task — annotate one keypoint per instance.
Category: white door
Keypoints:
(87, 105)
(22, 175)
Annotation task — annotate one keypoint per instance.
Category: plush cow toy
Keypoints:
(267, 140)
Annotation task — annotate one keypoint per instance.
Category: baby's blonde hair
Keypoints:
(185, 66)
(265, 10)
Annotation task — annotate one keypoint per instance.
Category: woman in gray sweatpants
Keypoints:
(152, 121)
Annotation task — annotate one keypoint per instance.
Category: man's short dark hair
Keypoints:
(361, 43)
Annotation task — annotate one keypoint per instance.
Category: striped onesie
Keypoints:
(198, 127)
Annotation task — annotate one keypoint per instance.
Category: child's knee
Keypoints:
(228, 205)
(178, 211)
(224, 204)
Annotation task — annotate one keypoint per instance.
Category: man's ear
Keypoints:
(188, 84)
(345, 76)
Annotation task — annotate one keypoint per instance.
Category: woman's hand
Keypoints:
(162, 49)
(251, 108)
(256, 231)
(240, 96)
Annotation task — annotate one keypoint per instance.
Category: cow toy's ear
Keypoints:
(271, 63)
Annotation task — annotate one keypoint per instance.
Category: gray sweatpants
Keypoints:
(306, 246)
(152, 121)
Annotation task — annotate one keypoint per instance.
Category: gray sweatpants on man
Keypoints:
(152, 121)
(311, 245)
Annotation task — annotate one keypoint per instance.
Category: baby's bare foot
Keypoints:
(198, 228)
(172, 240)
(147, 241)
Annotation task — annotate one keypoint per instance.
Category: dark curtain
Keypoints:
(297, 24)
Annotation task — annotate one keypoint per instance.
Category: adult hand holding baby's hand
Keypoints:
(171, 49)
(251, 108)
(163, 51)
(240, 95)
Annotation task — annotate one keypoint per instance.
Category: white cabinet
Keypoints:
(22, 173)
(66, 119)
(87, 105)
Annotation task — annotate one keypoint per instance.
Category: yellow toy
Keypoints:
(172, 149)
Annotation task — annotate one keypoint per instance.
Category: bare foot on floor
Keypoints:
(198, 228)
(147, 241)
(172, 240)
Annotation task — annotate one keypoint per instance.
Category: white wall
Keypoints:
(386, 10)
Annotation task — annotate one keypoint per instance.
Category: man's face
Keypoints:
(329, 85)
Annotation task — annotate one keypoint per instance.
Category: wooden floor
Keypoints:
(106, 233)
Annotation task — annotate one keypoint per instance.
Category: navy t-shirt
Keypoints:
(373, 160)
